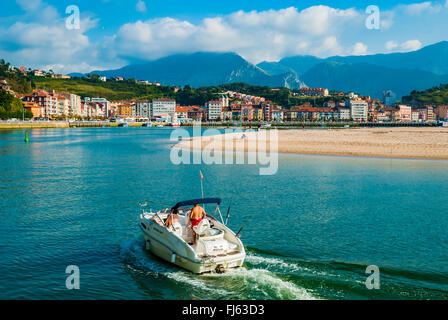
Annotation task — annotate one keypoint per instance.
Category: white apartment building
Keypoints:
(344, 113)
(105, 103)
(213, 110)
(163, 106)
(74, 107)
(415, 115)
(358, 110)
(142, 109)
(63, 106)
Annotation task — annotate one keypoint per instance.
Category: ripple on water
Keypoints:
(242, 283)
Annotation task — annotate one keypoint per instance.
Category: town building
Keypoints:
(63, 106)
(430, 114)
(105, 105)
(196, 113)
(142, 109)
(22, 70)
(60, 76)
(344, 113)
(442, 113)
(267, 108)
(226, 114)
(182, 112)
(74, 107)
(415, 115)
(358, 110)
(313, 92)
(125, 110)
(404, 113)
(34, 108)
(213, 110)
(38, 73)
(163, 106)
(46, 100)
(277, 114)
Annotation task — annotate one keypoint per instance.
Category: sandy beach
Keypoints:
(405, 142)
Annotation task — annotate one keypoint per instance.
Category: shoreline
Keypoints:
(385, 143)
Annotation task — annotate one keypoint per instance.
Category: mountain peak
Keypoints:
(202, 69)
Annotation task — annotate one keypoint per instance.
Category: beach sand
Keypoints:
(404, 142)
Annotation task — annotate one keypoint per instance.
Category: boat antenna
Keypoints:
(228, 214)
(202, 187)
(239, 231)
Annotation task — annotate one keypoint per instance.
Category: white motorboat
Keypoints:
(217, 248)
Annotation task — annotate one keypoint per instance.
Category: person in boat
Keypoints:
(172, 218)
(196, 216)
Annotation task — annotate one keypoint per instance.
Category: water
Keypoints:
(70, 197)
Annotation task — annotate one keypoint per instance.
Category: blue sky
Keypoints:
(115, 32)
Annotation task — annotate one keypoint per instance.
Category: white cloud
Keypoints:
(411, 45)
(46, 41)
(256, 35)
(418, 8)
(29, 5)
(359, 49)
(387, 19)
(314, 30)
(390, 45)
(140, 6)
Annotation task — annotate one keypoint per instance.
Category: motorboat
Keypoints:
(124, 125)
(175, 124)
(217, 247)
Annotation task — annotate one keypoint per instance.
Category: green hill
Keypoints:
(436, 95)
(111, 90)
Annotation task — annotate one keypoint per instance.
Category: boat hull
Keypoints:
(184, 259)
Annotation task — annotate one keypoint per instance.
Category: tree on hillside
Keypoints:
(11, 107)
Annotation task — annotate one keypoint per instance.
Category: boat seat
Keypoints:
(213, 234)
(177, 229)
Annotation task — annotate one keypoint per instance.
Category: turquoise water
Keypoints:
(70, 197)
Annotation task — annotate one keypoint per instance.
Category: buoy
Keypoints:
(26, 137)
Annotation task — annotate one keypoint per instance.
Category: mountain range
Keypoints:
(204, 69)
(367, 74)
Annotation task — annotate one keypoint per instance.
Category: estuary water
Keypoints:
(70, 197)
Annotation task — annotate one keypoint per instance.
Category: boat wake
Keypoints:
(263, 278)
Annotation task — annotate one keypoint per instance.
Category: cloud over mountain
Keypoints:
(38, 37)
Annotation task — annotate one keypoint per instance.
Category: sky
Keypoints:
(112, 33)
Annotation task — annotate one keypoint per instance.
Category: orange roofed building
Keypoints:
(34, 108)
